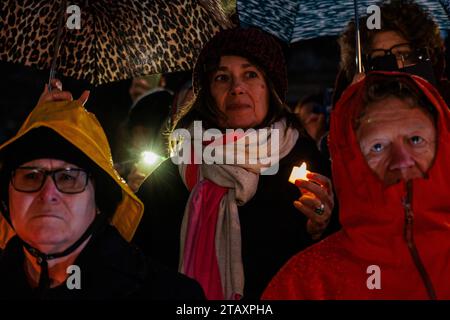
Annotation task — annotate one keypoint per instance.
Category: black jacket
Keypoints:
(110, 268)
(272, 229)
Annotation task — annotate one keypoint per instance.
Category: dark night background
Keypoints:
(312, 65)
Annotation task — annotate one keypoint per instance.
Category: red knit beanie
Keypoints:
(251, 43)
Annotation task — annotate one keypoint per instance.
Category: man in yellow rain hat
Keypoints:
(73, 215)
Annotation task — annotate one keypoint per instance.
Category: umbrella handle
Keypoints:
(358, 39)
(57, 43)
(358, 52)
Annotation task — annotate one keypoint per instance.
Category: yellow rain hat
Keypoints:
(72, 122)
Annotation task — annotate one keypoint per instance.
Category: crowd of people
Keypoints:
(229, 218)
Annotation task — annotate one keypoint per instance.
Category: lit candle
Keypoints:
(148, 162)
(298, 173)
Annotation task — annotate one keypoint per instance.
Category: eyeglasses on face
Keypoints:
(32, 179)
(403, 52)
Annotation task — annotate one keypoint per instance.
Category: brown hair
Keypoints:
(378, 88)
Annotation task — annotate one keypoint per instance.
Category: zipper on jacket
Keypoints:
(409, 238)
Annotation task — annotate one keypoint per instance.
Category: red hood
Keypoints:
(374, 224)
(370, 212)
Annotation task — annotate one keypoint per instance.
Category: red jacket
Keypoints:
(374, 226)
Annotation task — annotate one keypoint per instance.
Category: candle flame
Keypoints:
(298, 173)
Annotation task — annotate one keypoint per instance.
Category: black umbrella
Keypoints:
(295, 20)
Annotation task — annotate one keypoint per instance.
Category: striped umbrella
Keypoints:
(295, 20)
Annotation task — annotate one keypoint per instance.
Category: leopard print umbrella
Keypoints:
(115, 40)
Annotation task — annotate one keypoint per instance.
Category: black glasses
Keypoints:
(32, 179)
(404, 53)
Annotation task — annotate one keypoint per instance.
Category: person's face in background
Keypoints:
(240, 91)
(141, 85)
(397, 139)
(48, 219)
(313, 122)
(386, 40)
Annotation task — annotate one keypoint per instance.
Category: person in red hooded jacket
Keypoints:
(389, 142)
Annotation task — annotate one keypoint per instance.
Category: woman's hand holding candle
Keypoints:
(316, 201)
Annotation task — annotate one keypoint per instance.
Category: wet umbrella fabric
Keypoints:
(295, 20)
